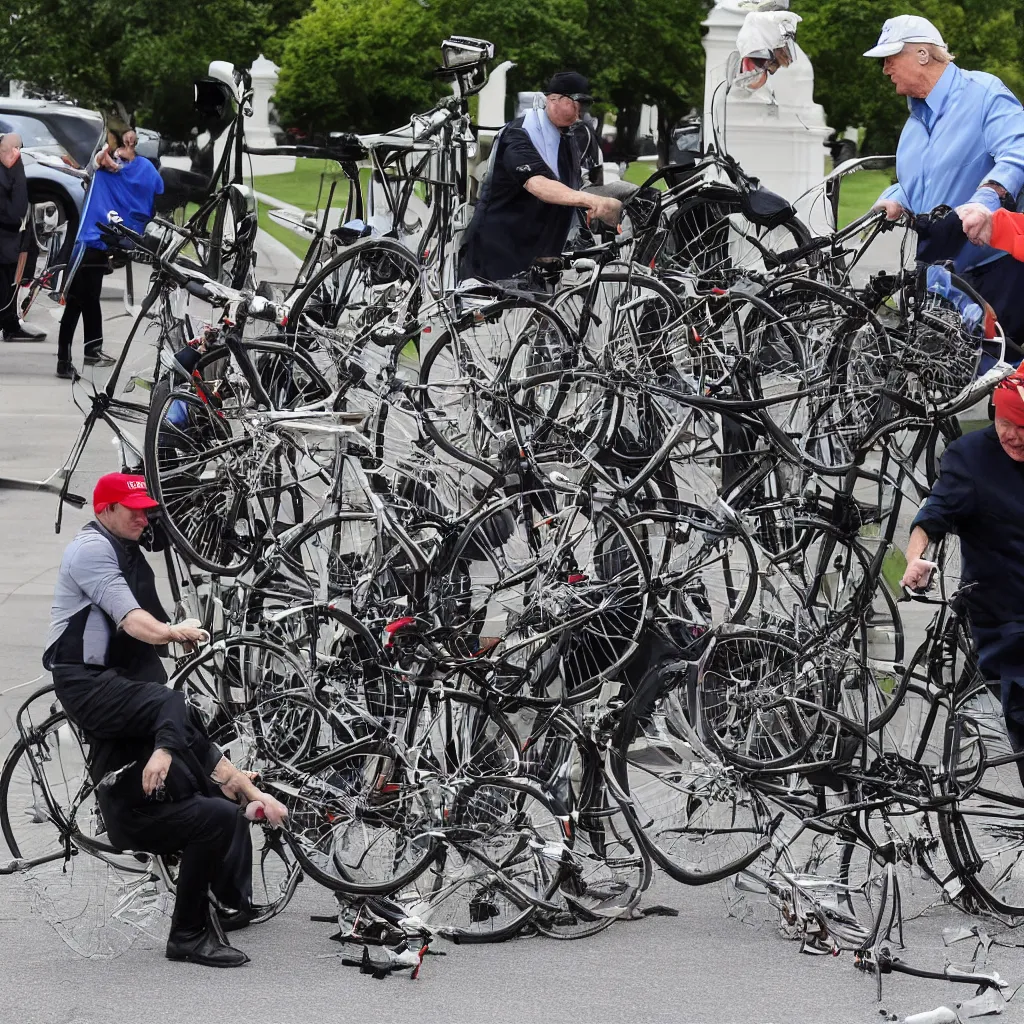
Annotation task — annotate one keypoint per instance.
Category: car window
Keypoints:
(73, 135)
(33, 132)
(81, 131)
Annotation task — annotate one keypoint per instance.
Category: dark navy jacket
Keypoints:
(510, 226)
(979, 496)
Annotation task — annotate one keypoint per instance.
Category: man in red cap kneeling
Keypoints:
(979, 496)
(162, 785)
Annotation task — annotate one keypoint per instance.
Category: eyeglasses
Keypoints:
(579, 98)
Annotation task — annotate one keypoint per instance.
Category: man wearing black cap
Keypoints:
(526, 206)
(161, 784)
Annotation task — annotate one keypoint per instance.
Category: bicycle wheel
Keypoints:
(359, 822)
(700, 820)
(224, 229)
(635, 323)
(832, 408)
(758, 695)
(99, 905)
(506, 849)
(576, 585)
(458, 735)
(359, 309)
(712, 243)
(984, 829)
(611, 867)
(223, 485)
(708, 564)
(249, 693)
(841, 589)
(469, 372)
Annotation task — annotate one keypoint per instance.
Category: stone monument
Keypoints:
(257, 128)
(776, 132)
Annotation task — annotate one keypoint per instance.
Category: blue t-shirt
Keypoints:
(130, 192)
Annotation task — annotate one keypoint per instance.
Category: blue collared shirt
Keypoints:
(968, 130)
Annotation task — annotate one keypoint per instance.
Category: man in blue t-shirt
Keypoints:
(128, 185)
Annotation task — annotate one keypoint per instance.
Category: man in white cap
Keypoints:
(963, 143)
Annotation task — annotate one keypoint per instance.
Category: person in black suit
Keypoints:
(13, 215)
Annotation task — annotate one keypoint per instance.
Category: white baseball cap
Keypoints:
(907, 28)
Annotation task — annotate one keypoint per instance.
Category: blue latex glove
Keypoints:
(987, 198)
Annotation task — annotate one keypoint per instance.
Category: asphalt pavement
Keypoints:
(700, 966)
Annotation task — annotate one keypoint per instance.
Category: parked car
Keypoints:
(59, 142)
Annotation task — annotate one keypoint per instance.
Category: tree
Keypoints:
(143, 54)
(984, 34)
(357, 65)
(364, 64)
(659, 60)
(360, 63)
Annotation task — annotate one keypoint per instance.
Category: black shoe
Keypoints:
(99, 358)
(203, 947)
(66, 371)
(21, 334)
(235, 920)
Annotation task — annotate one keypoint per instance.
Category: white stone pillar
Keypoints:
(777, 132)
(257, 128)
(491, 98)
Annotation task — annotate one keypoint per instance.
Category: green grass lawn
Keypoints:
(307, 187)
(859, 192)
(637, 173)
(310, 179)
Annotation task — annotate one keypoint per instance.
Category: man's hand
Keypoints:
(104, 161)
(274, 812)
(155, 772)
(919, 572)
(604, 209)
(977, 222)
(893, 210)
(186, 633)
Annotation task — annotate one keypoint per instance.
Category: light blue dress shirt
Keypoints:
(968, 130)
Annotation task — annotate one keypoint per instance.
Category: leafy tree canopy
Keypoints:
(985, 35)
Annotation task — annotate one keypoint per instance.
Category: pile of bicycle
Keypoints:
(519, 596)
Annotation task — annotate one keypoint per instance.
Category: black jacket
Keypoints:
(979, 496)
(511, 227)
(13, 207)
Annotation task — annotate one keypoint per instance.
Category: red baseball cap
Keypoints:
(1008, 398)
(121, 489)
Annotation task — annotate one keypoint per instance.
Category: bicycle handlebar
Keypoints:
(196, 283)
(815, 244)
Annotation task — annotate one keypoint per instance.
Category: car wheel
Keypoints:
(62, 235)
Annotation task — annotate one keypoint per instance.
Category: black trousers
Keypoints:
(82, 302)
(9, 322)
(1001, 282)
(1012, 694)
(212, 836)
(124, 720)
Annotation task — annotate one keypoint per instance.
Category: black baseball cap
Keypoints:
(571, 84)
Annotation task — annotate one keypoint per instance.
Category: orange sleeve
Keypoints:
(1008, 233)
